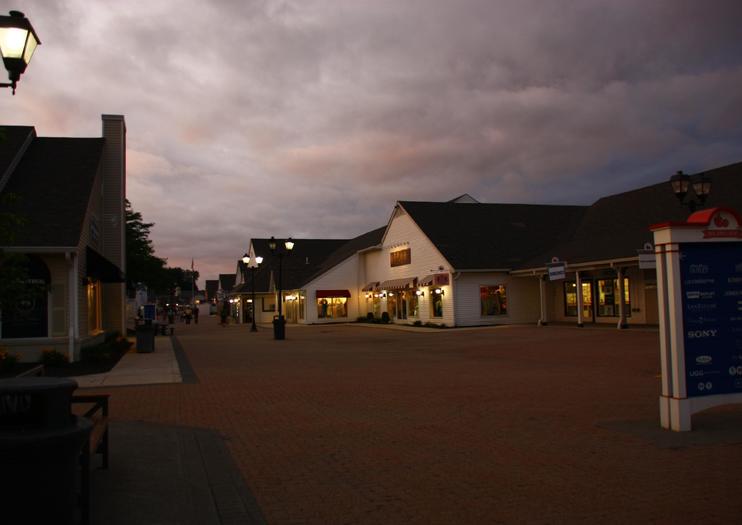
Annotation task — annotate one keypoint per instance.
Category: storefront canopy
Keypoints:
(101, 269)
(399, 284)
(370, 287)
(437, 279)
(332, 293)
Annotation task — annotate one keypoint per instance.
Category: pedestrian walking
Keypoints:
(224, 313)
(195, 314)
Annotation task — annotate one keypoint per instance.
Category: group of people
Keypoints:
(169, 313)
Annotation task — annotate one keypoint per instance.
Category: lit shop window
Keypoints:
(493, 300)
(436, 302)
(332, 307)
(570, 299)
(609, 297)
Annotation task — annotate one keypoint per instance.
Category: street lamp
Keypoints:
(681, 183)
(279, 323)
(246, 262)
(18, 41)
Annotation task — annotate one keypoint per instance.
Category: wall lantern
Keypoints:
(419, 293)
(18, 41)
(681, 183)
(438, 291)
(391, 294)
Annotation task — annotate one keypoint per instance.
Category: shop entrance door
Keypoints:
(588, 310)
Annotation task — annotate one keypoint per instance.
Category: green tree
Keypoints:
(13, 266)
(142, 265)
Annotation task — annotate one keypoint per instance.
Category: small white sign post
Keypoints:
(699, 289)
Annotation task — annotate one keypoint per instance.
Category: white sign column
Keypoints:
(699, 288)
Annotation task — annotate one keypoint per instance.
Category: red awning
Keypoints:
(332, 293)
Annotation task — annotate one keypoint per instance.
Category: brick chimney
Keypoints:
(113, 171)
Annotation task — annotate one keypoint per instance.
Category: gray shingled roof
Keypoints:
(227, 280)
(348, 249)
(618, 225)
(53, 182)
(12, 139)
(492, 236)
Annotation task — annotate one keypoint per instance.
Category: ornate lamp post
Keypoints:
(681, 183)
(246, 262)
(18, 41)
(279, 323)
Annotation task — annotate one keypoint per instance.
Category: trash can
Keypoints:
(40, 444)
(145, 334)
(279, 327)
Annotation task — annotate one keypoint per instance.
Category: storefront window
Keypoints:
(94, 307)
(332, 307)
(302, 301)
(413, 303)
(493, 300)
(608, 297)
(436, 303)
(391, 304)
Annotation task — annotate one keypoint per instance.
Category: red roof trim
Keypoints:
(332, 293)
(699, 218)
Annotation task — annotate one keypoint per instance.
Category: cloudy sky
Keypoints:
(252, 118)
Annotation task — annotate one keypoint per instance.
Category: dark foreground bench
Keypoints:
(97, 442)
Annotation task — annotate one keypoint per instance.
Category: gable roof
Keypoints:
(350, 248)
(617, 226)
(52, 183)
(305, 260)
(211, 286)
(226, 281)
(492, 236)
(12, 141)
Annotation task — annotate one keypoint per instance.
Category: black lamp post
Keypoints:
(279, 323)
(246, 262)
(681, 183)
(18, 41)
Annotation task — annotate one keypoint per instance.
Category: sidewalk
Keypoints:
(158, 367)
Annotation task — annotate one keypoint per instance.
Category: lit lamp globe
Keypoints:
(18, 41)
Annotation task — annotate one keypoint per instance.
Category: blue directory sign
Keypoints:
(149, 312)
(711, 275)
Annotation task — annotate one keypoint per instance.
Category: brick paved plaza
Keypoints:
(354, 424)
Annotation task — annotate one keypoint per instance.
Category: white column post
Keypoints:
(578, 282)
(621, 302)
(71, 303)
(543, 321)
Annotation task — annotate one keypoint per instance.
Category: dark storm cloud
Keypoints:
(311, 118)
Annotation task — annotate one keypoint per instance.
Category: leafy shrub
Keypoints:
(417, 323)
(385, 317)
(107, 351)
(7, 361)
(52, 358)
(361, 319)
(442, 325)
(370, 317)
(431, 325)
